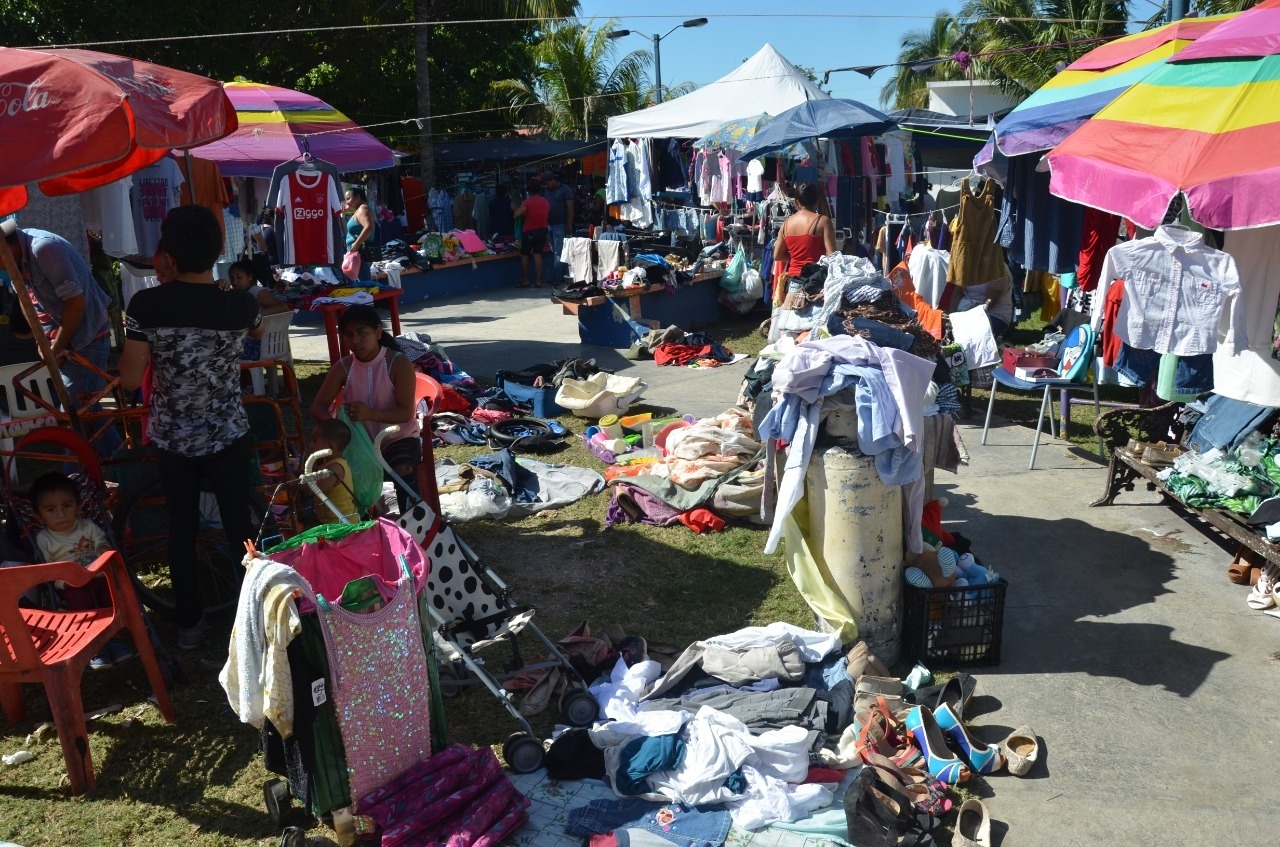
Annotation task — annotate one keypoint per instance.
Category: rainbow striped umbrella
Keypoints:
(1208, 130)
(1252, 34)
(279, 124)
(1088, 84)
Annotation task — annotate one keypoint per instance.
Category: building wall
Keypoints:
(952, 98)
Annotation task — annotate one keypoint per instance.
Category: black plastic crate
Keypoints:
(953, 627)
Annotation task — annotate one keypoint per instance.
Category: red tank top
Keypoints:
(805, 248)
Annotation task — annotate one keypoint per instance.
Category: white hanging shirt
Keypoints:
(1175, 291)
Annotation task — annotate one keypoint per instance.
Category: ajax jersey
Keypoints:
(308, 203)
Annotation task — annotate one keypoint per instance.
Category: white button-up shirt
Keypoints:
(1175, 289)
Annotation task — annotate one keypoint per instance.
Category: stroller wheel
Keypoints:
(523, 753)
(579, 708)
(450, 687)
(276, 797)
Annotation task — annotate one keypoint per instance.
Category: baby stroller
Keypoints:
(358, 591)
(471, 608)
(50, 446)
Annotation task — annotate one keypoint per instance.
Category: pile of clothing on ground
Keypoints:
(697, 473)
(674, 346)
(466, 412)
(766, 726)
(501, 485)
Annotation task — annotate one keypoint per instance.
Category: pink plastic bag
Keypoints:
(351, 265)
(471, 242)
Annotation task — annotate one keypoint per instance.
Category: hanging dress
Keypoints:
(380, 689)
(976, 258)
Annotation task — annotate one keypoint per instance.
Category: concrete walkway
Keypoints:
(1150, 683)
(514, 328)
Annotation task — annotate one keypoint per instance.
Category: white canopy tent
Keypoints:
(766, 82)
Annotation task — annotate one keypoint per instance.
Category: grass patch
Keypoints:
(199, 781)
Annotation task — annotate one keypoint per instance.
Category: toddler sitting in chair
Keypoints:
(67, 537)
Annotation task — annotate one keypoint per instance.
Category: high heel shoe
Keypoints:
(925, 793)
(896, 808)
(981, 757)
(940, 761)
(870, 822)
(863, 826)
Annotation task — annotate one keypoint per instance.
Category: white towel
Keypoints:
(610, 254)
(576, 253)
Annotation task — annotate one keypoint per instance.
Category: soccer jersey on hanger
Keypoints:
(306, 206)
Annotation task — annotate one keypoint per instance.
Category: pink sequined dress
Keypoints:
(380, 687)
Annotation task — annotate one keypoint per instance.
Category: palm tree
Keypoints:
(1219, 7)
(941, 39)
(1023, 43)
(424, 12)
(576, 83)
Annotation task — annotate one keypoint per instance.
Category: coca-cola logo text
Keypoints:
(16, 97)
(307, 214)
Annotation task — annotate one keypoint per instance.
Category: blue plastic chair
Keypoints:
(1076, 353)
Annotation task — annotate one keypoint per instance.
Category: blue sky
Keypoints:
(707, 53)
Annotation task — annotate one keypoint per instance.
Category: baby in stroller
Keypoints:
(65, 536)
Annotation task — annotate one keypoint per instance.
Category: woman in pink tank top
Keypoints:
(376, 383)
(806, 236)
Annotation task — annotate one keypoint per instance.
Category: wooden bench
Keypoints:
(1154, 424)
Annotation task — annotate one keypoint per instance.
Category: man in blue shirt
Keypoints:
(559, 218)
(63, 286)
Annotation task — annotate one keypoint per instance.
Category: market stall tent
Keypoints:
(767, 82)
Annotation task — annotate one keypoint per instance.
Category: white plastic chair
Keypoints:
(275, 348)
(24, 414)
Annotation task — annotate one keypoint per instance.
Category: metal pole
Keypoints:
(657, 65)
(1178, 9)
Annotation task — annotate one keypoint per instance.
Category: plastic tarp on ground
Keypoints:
(767, 82)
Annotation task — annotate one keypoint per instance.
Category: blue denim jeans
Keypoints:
(1137, 365)
(1226, 424)
(556, 268)
(80, 380)
(686, 826)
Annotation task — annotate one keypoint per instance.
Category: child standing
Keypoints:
(242, 278)
(67, 537)
(334, 435)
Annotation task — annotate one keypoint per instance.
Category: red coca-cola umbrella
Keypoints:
(72, 120)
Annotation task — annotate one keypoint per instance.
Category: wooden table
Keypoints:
(603, 319)
(390, 297)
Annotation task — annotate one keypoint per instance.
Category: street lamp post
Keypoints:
(657, 48)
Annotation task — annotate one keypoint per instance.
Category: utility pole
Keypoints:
(657, 67)
(1178, 9)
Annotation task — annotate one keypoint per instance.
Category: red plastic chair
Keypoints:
(428, 390)
(54, 648)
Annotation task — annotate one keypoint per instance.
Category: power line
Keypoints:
(528, 20)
